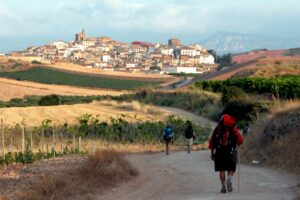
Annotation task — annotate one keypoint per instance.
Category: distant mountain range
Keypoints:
(225, 42)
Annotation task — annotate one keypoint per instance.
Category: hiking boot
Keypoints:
(223, 189)
(229, 185)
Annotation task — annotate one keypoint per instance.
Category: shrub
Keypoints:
(246, 110)
(199, 102)
(232, 93)
(50, 100)
(155, 68)
(25, 158)
(121, 131)
(225, 60)
(94, 174)
(35, 62)
(277, 62)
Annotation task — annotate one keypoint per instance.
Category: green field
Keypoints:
(51, 76)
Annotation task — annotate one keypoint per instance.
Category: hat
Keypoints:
(228, 120)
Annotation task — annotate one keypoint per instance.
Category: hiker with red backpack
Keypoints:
(223, 144)
(168, 136)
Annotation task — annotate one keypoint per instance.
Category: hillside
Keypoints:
(258, 63)
(271, 67)
(13, 64)
(10, 89)
(257, 54)
(226, 42)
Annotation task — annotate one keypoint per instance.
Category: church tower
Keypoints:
(79, 37)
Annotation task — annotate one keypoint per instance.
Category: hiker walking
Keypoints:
(168, 136)
(223, 144)
(190, 136)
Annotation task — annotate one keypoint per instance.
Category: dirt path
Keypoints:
(188, 115)
(191, 176)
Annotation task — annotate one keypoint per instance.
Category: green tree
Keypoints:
(232, 93)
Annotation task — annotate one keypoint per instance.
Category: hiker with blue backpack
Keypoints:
(168, 137)
(223, 144)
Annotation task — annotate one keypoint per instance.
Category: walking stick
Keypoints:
(238, 152)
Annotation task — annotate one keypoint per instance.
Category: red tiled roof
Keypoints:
(145, 44)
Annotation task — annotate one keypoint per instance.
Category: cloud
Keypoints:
(140, 18)
(8, 20)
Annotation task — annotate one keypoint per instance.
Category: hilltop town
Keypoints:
(108, 54)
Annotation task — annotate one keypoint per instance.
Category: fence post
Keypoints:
(79, 144)
(3, 145)
(43, 140)
(23, 140)
(53, 142)
(61, 142)
(74, 147)
(66, 142)
(10, 148)
(31, 145)
(94, 146)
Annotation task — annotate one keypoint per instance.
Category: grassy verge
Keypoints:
(275, 141)
(51, 76)
(100, 171)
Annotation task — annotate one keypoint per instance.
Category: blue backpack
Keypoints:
(168, 133)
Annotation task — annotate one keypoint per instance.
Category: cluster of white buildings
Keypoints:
(108, 54)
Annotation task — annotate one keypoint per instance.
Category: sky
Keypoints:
(25, 23)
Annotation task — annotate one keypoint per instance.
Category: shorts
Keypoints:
(190, 141)
(167, 140)
(225, 159)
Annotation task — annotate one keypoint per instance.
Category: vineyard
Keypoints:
(287, 87)
(29, 144)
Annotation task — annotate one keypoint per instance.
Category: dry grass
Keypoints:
(133, 106)
(103, 110)
(283, 150)
(33, 116)
(100, 171)
(8, 64)
(18, 89)
(271, 67)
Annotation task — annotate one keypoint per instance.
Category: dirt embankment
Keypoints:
(275, 141)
